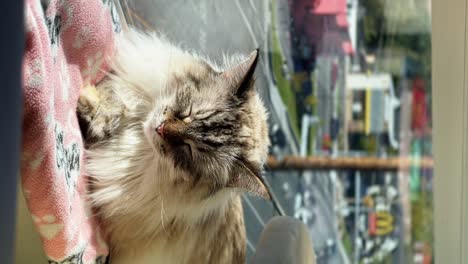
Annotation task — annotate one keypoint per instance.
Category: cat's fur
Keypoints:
(172, 141)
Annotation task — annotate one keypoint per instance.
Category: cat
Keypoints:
(172, 141)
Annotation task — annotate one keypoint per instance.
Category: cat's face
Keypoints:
(212, 125)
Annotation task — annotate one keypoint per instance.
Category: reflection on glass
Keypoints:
(347, 85)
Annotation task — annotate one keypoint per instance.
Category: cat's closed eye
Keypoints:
(205, 114)
(185, 115)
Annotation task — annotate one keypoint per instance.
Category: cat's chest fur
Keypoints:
(220, 238)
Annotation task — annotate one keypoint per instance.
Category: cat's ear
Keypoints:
(241, 76)
(249, 179)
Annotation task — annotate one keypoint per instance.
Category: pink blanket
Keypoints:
(65, 49)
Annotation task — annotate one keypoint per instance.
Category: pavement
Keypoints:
(214, 28)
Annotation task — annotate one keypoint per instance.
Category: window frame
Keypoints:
(450, 117)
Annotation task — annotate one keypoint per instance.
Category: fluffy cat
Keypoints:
(172, 142)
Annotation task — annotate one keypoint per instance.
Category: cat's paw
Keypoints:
(88, 103)
(100, 112)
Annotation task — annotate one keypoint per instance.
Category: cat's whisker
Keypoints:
(162, 207)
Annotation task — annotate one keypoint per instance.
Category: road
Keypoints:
(214, 28)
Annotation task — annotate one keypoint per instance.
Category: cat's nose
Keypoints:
(160, 130)
(172, 130)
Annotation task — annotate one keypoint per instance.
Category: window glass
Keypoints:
(347, 84)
